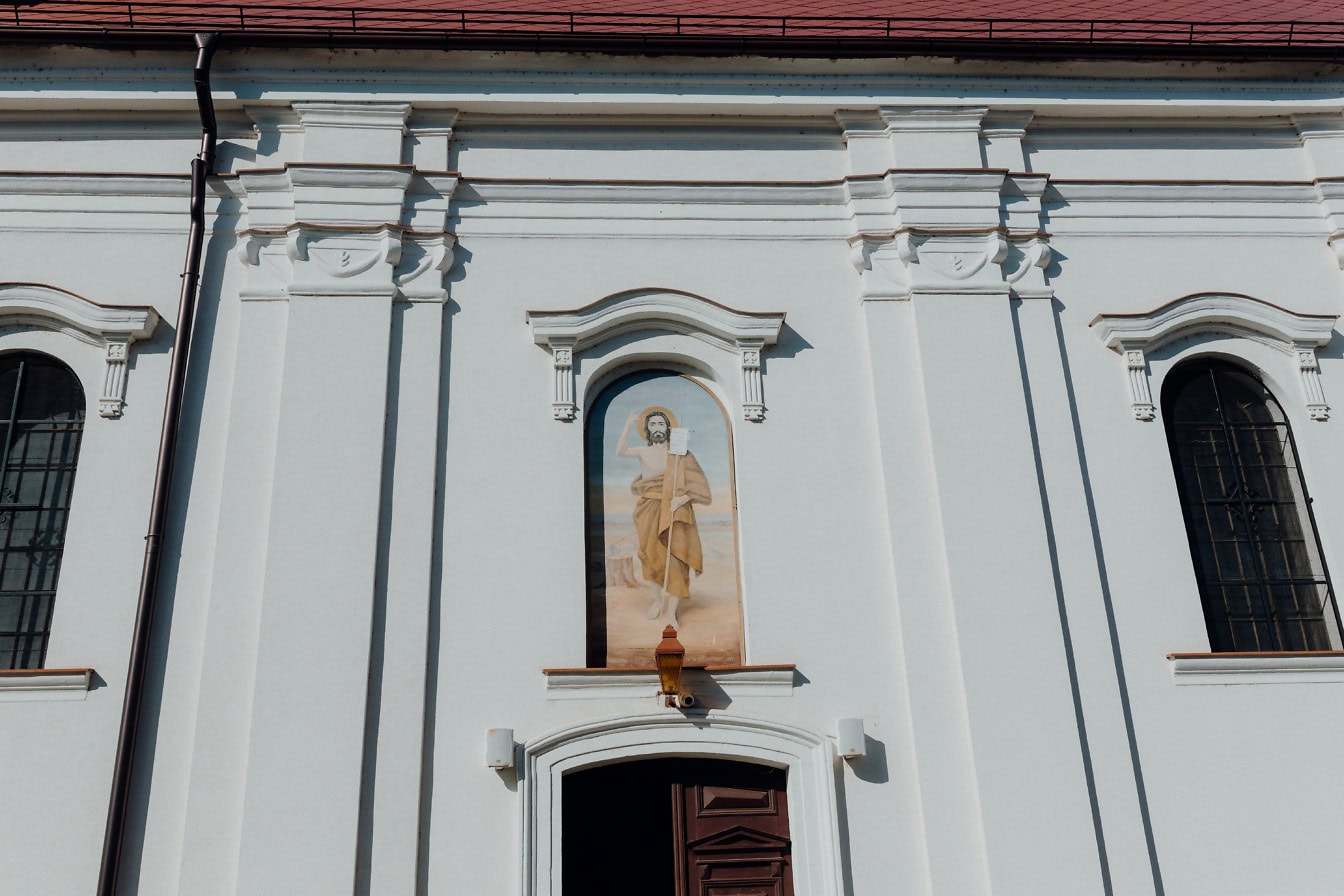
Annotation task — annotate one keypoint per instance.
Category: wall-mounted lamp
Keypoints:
(670, 655)
(849, 739)
(499, 747)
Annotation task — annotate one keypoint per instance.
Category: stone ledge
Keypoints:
(1304, 667)
(44, 684)
(730, 681)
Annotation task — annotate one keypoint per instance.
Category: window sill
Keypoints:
(18, 685)
(1288, 667)
(703, 681)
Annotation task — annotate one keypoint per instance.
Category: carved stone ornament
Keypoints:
(897, 265)
(268, 265)
(330, 261)
(882, 265)
(424, 260)
(1024, 264)
(1137, 336)
(110, 328)
(568, 333)
(345, 230)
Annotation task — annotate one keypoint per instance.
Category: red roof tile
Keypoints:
(1273, 24)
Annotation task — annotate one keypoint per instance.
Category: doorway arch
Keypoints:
(807, 758)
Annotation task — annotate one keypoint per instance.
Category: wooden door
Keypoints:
(677, 827)
(733, 830)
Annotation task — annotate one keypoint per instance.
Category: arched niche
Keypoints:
(647, 324)
(807, 758)
(109, 328)
(661, 522)
(1137, 336)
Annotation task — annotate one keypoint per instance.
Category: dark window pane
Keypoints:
(1254, 546)
(41, 423)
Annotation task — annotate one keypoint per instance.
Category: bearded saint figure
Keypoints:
(668, 484)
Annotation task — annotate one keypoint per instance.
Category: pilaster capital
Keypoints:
(337, 229)
(897, 265)
(331, 261)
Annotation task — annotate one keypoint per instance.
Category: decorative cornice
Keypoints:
(896, 266)
(1214, 312)
(346, 229)
(933, 119)
(1010, 124)
(111, 328)
(352, 132)
(645, 192)
(357, 116)
(1135, 336)
(566, 333)
(669, 310)
(927, 180)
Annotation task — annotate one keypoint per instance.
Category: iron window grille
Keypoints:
(1263, 581)
(44, 406)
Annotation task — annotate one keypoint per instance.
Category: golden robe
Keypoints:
(657, 523)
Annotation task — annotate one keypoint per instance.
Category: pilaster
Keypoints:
(1096, 663)
(940, 251)
(331, 238)
(937, 219)
(391, 813)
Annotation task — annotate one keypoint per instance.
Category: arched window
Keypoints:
(41, 422)
(1258, 560)
(662, 523)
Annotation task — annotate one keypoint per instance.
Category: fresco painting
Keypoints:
(662, 524)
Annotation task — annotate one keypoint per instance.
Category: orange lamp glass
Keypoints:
(669, 654)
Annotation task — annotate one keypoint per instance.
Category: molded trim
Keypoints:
(808, 757)
(568, 333)
(704, 682)
(1135, 336)
(1229, 313)
(110, 327)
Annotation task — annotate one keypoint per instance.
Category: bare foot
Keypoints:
(656, 607)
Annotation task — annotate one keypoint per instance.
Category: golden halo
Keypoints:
(644, 419)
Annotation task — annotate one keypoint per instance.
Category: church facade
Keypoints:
(968, 419)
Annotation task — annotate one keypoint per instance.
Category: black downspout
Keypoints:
(201, 167)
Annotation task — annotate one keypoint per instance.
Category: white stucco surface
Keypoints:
(949, 520)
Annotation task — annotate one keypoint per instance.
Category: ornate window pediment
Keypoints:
(568, 333)
(109, 327)
(1136, 336)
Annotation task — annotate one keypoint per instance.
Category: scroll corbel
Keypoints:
(753, 390)
(113, 399)
(1140, 395)
(1310, 370)
(563, 406)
